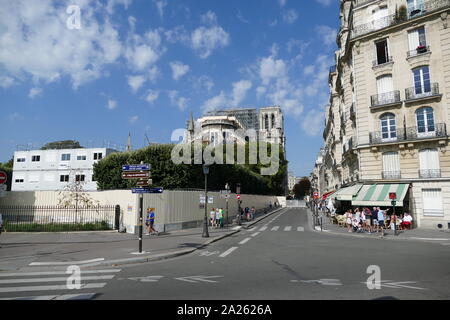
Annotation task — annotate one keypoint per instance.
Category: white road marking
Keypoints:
(65, 263)
(245, 240)
(62, 279)
(255, 234)
(252, 229)
(49, 273)
(223, 255)
(275, 228)
(397, 285)
(288, 228)
(146, 279)
(263, 228)
(82, 296)
(207, 253)
(196, 279)
(47, 288)
(431, 239)
(301, 229)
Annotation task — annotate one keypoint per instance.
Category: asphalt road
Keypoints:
(282, 258)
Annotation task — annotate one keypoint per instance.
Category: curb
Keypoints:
(164, 256)
(386, 237)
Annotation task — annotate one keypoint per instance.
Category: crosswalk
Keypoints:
(278, 228)
(54, 282)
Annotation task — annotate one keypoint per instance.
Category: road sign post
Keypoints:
(393, 197)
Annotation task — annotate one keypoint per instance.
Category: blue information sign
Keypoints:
(147, 190)
(136, 167)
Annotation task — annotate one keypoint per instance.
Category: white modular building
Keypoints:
(44, 170)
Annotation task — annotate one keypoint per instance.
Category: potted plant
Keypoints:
(421, 48)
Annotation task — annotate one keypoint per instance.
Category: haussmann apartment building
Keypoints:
(386, 126)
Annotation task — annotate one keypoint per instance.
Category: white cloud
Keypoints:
(6, 82)
(203, 83)
(160, 5)
(312, 123)
(325, 2)
(219, 101)
(260, 91)
(205, 40)
(135, 82)
(178, 69)
(142, 52)
(152, 96)
(36, 43)
(327, 34)
(240, 89)
(308, 70)
(112, 104)
(271, 68)
(34, 92)
(290, 16)
(179, 102)
(133, 119)
(282, 2)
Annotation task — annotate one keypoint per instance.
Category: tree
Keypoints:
(64, 144)
(302, 188)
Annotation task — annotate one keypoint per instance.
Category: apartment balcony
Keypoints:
(420, 50)
(430, 173)
(385, 99)
(439, 130)
(349, 145)
(412, 94)
(391, 175)
(353, 111)
(391, 20)
(382, 61)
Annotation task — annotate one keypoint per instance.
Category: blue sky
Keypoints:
(141, 66)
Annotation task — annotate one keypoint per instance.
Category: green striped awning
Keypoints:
(378, 195)
(346, 194)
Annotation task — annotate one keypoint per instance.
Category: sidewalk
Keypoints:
(414, 234)
(107, 248)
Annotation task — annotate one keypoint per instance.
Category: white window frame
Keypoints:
(435, 204)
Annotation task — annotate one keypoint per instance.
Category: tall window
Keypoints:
(273, 121)
(391, 165)
(429, 163)
(379, 18)
(425, 121)
(417, 39)
(388, 127)
(266, 122)
(422, 83)
(415, 7)
(432, 202)
(385, 84)
(382, 51)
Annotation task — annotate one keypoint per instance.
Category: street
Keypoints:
(278, 258)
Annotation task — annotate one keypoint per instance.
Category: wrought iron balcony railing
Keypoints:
(419, 50)
(430, 173)
(421, 9)
(429, 90)
(391, 175)
(382, 61)
(408, 134)
(385, 98)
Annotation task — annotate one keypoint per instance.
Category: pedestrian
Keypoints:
(150, 221)
(348, 219)
(217, 218)
(252, 213)
(407, 221)
(380, 216)
(221, 217)
(212, 217)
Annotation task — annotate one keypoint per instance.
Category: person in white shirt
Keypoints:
(407, 221)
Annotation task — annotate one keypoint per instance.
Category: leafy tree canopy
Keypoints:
(64, 144)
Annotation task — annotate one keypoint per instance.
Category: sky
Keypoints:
(96, 70)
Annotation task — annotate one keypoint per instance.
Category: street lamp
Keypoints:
(238, 192)
(205, 222)
(227, 188)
